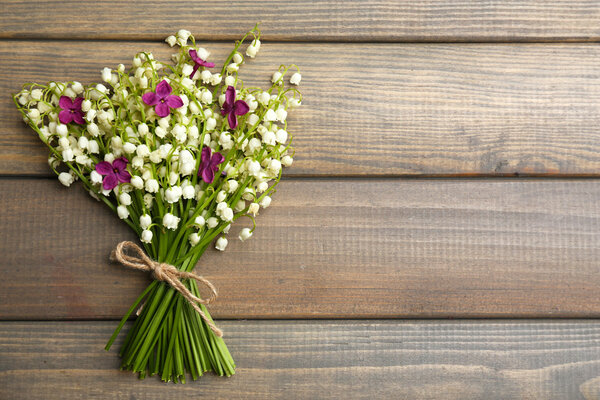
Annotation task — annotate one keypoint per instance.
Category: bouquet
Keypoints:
(179, 152)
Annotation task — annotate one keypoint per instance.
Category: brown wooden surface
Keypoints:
(383, 109)
(348, 20)
(322, 360)
(335, 248)
(505, 90)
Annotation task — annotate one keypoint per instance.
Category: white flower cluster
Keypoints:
(147, 166)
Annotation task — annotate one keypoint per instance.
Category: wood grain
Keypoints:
(384, 109)
(331, 248)
(322, 360)
(348, 20)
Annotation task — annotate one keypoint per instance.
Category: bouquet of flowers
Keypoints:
(179, 152)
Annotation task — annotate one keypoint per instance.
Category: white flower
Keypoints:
(146, 236)
(230, 81)
(145, 221)
(188, 192)
(78, 88)
(270, 115)
(227, 214)
(239, 206)
(186, 70)
(286, 161)
(107, 75)
(245, 234)
(221, 244)
(93, 147)
(83, 142)
(151, 186)
(160, 132)
(265, 202)
(274, 166)
(221, 196)
(95, 177)
(203, 53)
(101, 88)
(253, 208)
(129, 148)
(295, 78)
(226, 229)
(143, 129)
(212, 222)
(173, 194)
(276, 78)
(199, 221)
(264, 98)
(194, 239)
(237, 58)
(142, 151)
(183, 34)
(252, 119)
(281, 114)
(36, 94)
(125, 199)
(261, 187)
(206, 76)
(170, 221)
(253, 48)
(67, 155)
(231, 185)
(171, 40)
(211, 123)
(137, 162)
(281, 136)
(253, 167)
(137, 182)
(122, 212)
(61, 130)
(216, 79)
(207, 97)
(268, 138)
(66, 178)
(92, 128)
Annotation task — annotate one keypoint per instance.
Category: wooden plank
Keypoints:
(324, 360)
(383, 109)
(330, 248)
(348, 20)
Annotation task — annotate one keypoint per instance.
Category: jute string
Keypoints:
(167, 273)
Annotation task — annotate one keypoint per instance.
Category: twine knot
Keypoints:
(167, 273)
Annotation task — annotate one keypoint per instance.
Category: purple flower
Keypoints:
(114, 173)
(233, 107)
(162, 99)
(71, 110)
(199, 62)
(209, 164)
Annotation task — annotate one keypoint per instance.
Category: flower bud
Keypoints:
(122, 212)
(66, 178)
(221, 244)
(296, 78)
(170, 221)
(245, 234)
(146, 236)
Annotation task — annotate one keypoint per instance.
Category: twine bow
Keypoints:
(167, 273)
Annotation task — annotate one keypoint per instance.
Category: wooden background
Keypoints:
(438, 236)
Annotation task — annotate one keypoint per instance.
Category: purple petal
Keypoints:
(65, 102)
(174, 101)
(240, 107)
(150, 98)
(65, 116)
(232, 119)
(230, 96)
(120, 163)
(78, 117)
(77, 103)
(124, 176)
(205, 158)
(207, 64)
(163, 89)
(226, 109)
(217, 158)
(194, 56)
(110, 181)
(196, 66)
(208, 175)
(162, 110)
(104, 168)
